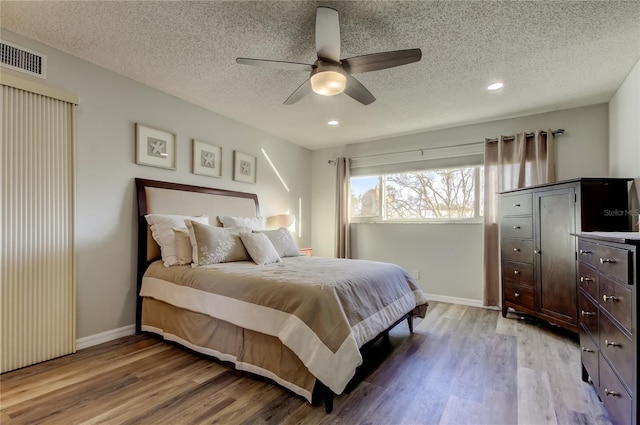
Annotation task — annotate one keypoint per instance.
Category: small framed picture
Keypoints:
(155, 148)
(244, 167)
(207, 159)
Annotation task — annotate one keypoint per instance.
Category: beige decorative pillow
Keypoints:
(162, 231)
(260, 248)
(253, 223)
(184, 251)
(283, 242)
(212, 245)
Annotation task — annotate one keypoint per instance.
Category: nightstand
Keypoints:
(306, 251)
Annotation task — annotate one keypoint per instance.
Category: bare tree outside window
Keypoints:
(430, 194)
(427, 194)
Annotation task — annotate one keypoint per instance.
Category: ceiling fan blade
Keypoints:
(383, 60)
(356, 90)
(289, 66)
(328, 34)
(299, 93)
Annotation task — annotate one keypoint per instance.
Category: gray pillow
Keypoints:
(260, 248)
(253, 223)
(282, 241)
(212, 245)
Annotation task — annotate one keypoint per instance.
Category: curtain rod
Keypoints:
(558, 132)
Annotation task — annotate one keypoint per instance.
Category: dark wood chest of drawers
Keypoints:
(608, 278)
(537, 250)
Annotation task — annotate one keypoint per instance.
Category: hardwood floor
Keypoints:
(463, 365)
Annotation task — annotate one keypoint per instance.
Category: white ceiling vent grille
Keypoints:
(23, 60)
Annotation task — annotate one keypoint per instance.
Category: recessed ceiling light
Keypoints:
(333, 122)
(495, 86)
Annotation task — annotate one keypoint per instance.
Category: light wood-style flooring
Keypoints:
(463, 365)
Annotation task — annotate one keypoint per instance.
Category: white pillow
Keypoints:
(283, 242)
(184, 251)
(253, 223)
(212, 244)
(260, 248)
(162, 231)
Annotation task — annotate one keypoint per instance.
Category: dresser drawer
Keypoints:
(588, 315)
(614, 262)
(517, 227)
(617, 348)
(520, 204)
(616, 299)
(519, 273)
(589, 253)
(519, 294)
(589, 356)
(614, 396)
(588, 279)
(517, 250)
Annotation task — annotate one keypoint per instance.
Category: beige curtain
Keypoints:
(510, 163)
(343, 234)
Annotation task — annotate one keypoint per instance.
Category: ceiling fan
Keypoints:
(329, 75)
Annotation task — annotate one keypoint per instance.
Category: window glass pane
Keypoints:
(429, 194)
(365, 196)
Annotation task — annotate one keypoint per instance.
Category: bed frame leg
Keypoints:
(328, 400)
(322, 392)
(410, 322)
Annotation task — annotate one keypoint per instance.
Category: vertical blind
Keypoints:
(37, 268)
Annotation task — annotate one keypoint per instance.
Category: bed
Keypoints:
(300, 321)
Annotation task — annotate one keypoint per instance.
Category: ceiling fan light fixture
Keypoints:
(328, 83)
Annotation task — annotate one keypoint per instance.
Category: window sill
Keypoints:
(456, 222)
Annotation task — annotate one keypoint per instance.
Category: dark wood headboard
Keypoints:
(157, 197)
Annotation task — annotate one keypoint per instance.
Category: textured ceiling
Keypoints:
(550, 54)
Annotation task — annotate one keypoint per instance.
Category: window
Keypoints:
(451, 194)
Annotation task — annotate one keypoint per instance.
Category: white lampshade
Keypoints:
(282, 220)
(328, 83)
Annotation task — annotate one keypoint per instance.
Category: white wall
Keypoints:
(106, 224)
(624, 133)
(449, 256)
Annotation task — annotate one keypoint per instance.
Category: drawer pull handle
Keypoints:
(516, 272)
(584, 279)
(516, 227)
(587, 313)
(606, 298)
(517, 295)
(516, 249)
(516, 205)
(585, 252)
(611, 343)
(607, 260)
(611, 393)
(587, 350)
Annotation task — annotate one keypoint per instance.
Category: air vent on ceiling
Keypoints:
(23, 60)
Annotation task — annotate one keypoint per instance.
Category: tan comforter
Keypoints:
(322, 309)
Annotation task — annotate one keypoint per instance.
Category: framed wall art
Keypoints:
(244, 167)
(155, 148)
(207, 159)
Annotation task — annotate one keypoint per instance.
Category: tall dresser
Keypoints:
(608, 265)
(537, 250)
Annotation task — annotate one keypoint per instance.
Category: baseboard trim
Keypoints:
(455, 300)
(91, 340)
